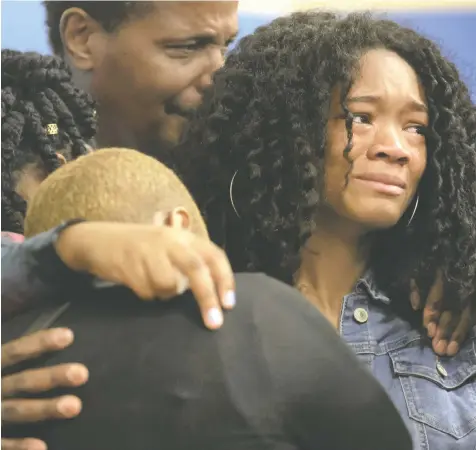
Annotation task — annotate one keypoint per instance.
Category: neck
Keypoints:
(333, 260)
(112, 132)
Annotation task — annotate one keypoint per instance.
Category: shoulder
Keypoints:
(267, 297)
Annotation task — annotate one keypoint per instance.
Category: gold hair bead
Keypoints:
(51, 129)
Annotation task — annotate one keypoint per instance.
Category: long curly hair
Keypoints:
(266, 118)
(37, 91)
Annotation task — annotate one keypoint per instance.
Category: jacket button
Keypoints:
(361, 315)
(441, 370)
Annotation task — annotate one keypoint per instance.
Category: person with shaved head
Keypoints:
(276, 375)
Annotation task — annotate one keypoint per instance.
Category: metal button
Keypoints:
(441, 370)
(361, 315)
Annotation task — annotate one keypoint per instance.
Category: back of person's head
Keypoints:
(114, 185)
(45, 120)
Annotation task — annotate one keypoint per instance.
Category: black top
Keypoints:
(276, 376)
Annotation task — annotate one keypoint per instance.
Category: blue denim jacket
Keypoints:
(436, 396)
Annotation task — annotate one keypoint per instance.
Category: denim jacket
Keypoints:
(436, 396)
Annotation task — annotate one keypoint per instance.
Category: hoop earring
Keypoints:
(231, 195)
(414, 210)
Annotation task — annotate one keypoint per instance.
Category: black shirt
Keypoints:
(276, 376)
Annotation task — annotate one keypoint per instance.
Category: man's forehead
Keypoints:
(184, 18)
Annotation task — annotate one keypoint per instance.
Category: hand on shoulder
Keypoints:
(156, 262)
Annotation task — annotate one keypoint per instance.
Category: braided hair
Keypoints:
(37, 91)
(266, 118)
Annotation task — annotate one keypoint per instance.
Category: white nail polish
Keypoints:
(229, 300)
(215, 317)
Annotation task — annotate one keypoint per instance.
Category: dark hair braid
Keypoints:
(267, 118)
(36, 91)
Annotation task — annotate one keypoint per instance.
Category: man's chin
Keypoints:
(173, 129)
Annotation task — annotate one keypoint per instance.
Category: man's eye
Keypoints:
(189, 46)
(417, 129)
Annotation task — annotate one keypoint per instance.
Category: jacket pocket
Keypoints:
(439, 392)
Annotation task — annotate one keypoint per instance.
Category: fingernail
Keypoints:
(64, 337)
(431, 330)
(215, 318)
(453, 348)
(441, 347)
(229, 300)
(415, 301)
(69, 406)
(77, 374)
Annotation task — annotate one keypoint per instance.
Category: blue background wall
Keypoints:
(23, 29)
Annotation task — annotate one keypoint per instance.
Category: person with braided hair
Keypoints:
(46, 120)
(343, 153)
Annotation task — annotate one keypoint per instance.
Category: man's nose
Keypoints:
(215, 60)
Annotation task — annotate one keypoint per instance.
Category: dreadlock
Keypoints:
(110, 15)
(37, 91)
(267, 117)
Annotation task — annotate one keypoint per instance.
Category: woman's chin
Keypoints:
(377, 220)
(381, 223)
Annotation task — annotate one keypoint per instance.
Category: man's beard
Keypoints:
(164, 150)
(167, 149)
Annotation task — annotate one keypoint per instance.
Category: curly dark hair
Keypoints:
(110, 15)
(37, 91)
(266, 118)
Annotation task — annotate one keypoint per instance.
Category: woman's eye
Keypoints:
(360, 118)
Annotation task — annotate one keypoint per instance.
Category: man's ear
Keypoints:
(177, 218)
(78, 31)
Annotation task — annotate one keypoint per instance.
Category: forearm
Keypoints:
(32, 271)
